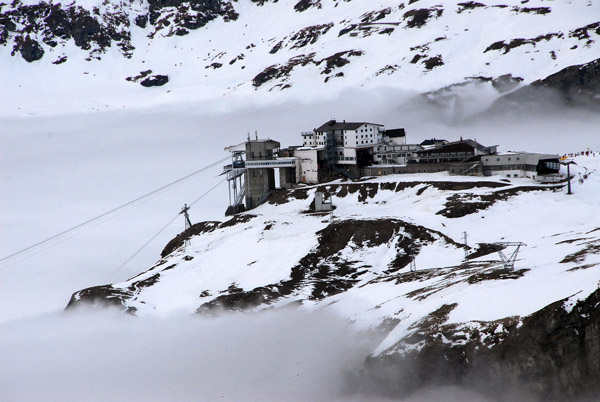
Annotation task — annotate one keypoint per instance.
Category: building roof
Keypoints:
(335, 125)
(432, 141)
(458, 146)
(396, 132)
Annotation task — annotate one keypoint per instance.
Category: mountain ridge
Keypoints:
(209, 49)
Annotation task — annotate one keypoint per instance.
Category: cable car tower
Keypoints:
(509, 262)
(235, 179)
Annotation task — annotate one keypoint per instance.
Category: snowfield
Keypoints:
(413, 48)
(260, 249)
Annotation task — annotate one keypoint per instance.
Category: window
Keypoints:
(497, 159)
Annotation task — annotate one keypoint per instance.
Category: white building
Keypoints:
(345, 142)
(393, 148)
(521, 164)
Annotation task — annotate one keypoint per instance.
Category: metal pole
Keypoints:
(569, 177)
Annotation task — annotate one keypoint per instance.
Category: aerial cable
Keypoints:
(139, 250)
(111, 212)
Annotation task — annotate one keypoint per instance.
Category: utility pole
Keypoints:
(568, 164)
(184, 212)
(413, 266)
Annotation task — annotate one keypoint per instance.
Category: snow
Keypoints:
(77, 85)
(258, 257)
(77, 140)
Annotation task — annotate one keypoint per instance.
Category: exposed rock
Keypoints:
(155, 81)
(532, 10)
(56, 24)
(60, 60)
(30, 49)
(373, 16)
(551, 355)
(577, 86)
(138, 77)
(469, 5)
(105, 295)
(325, 270)
(432, 62)
(338, 60)
(419, 17)
(513, 43)
(194, 230)
(459, 205)
(506, 82)
(304, 5)
(277, 71)
(583, 33)
(141, 21)
(306, 36)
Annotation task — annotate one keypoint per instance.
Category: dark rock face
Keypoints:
(304, 5)
(30, 50)
(155, 81)
(325, 270)
(105, 294)
(55, 24)
(94, 30)
(419, 17)
(583, 78)
(189, 14)
(577, 86)
(283, 71)
(552, 355)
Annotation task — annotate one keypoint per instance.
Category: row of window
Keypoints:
(498, 159)
(273, 163)
(529, 168)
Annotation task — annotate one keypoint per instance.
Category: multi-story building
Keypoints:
(349, 143)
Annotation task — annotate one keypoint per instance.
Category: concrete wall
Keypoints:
(308, 166)
(452, 169)
(287, 177)
(258, 183)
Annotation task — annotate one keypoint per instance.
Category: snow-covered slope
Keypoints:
(92, 55)
(358, 263)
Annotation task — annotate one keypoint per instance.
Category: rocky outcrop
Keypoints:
(55, 24)
(282, 72)
(575, 86)
(177, 17)
(155, 81)
(551, 355)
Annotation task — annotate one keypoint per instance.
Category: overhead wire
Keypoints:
(108, 215)
(139, 250)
